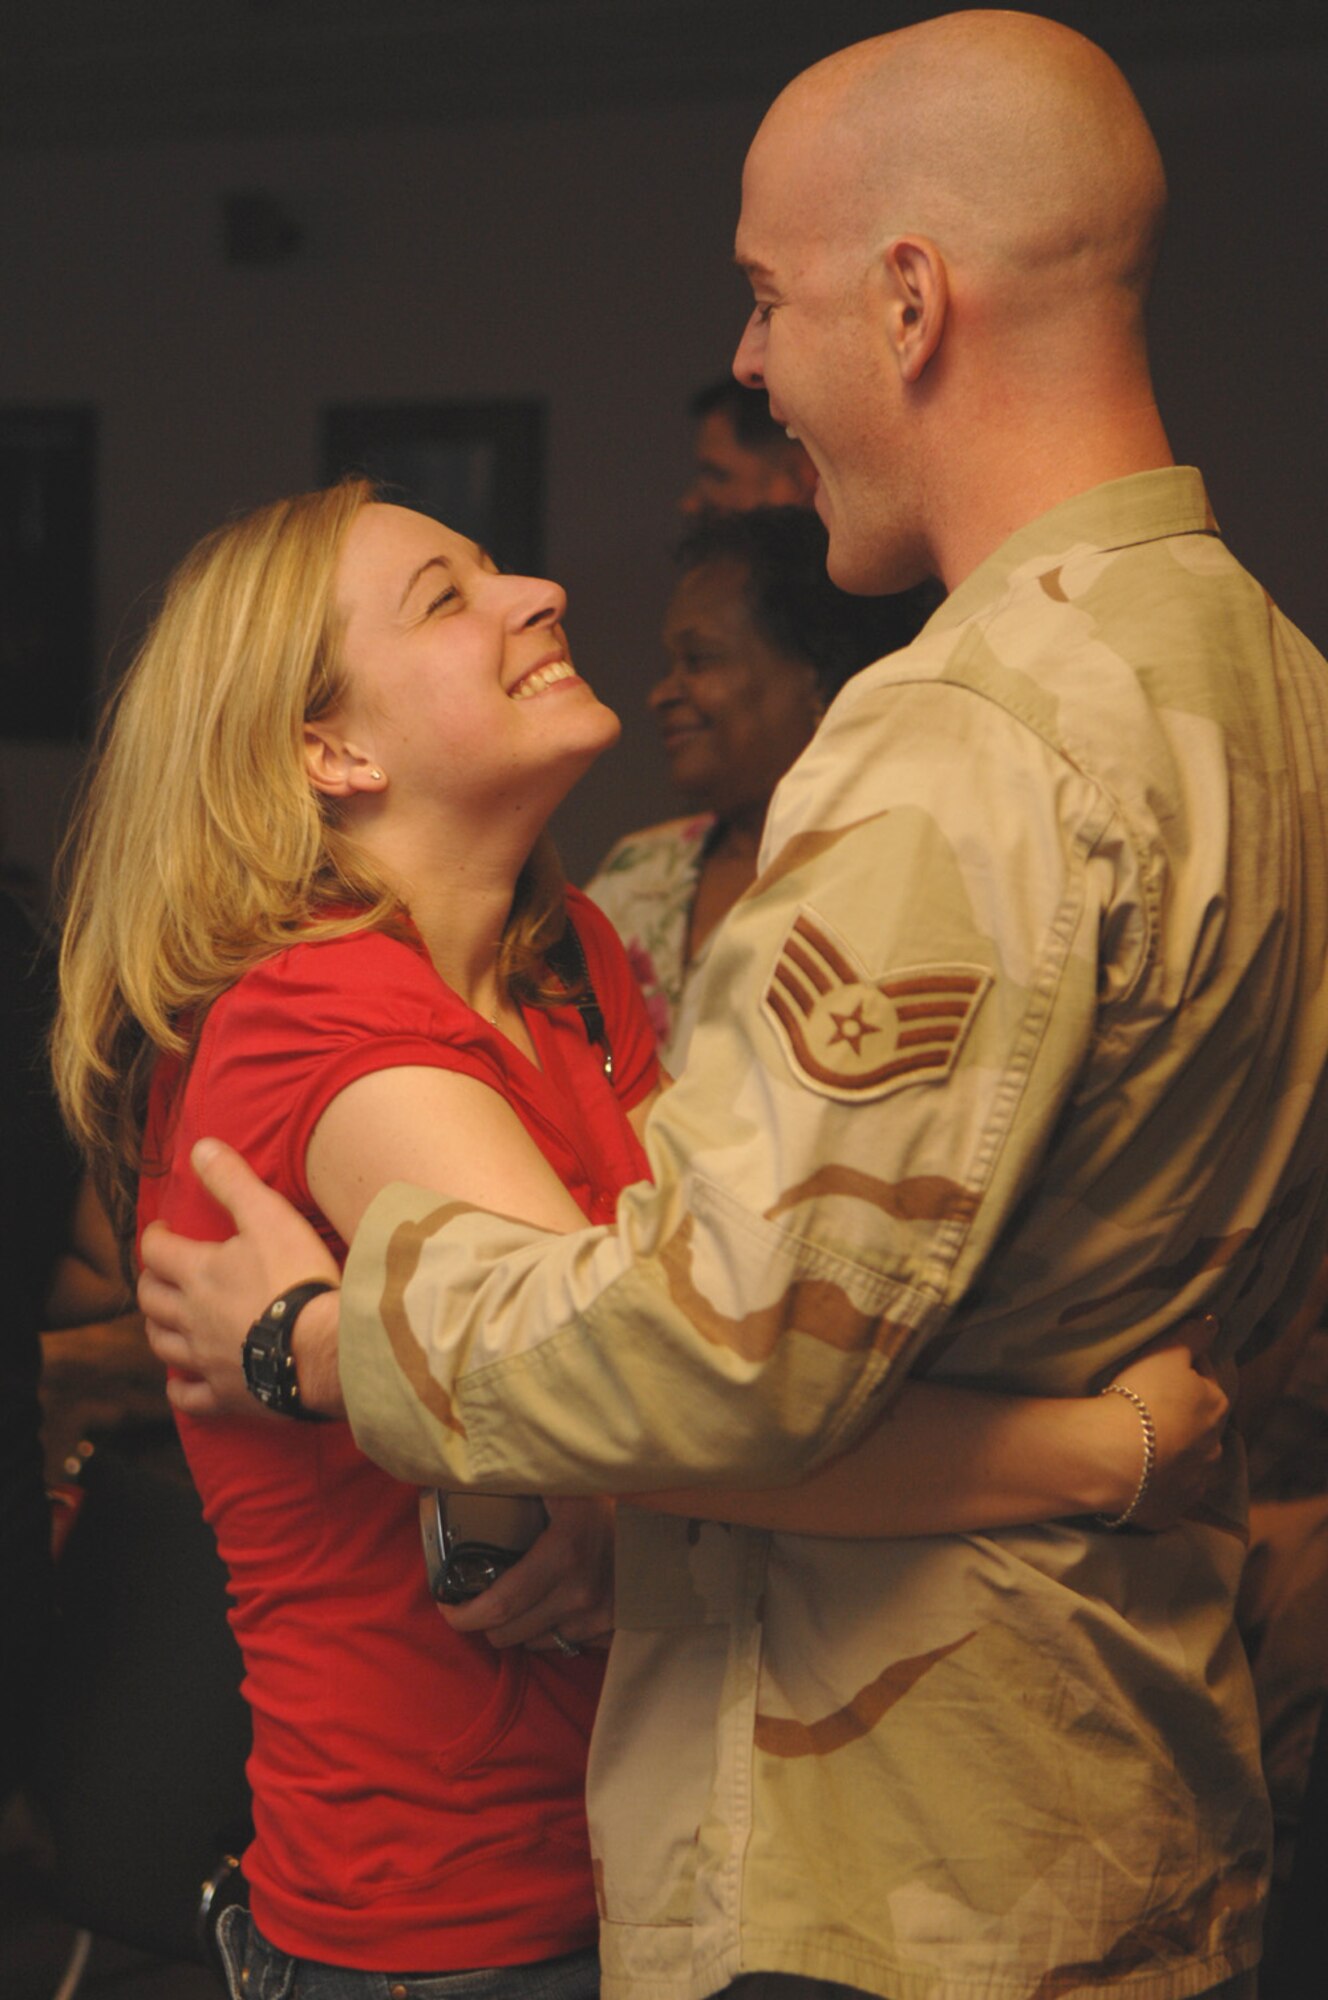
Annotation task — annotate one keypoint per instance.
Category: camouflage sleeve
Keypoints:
(889, 1028)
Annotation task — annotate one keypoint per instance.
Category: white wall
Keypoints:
(585, 260)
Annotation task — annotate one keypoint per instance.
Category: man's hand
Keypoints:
(200, 1299)
(562, 1585)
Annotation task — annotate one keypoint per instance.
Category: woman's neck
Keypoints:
(459, 892)
(728, 867)
(462, 926)
(736, 835)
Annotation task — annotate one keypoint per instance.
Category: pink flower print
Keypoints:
(647, 978)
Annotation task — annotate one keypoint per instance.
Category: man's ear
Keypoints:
(336, 767)
(919, 300)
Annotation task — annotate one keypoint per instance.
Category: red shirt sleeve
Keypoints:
(631, 1037)
(296, 1030)
(289, 1036)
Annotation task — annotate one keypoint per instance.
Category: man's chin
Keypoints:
(866, 565)
(856, 570)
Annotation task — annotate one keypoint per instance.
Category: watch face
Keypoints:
(263, 1368)
(269, 1365)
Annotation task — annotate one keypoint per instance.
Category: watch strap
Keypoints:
(269, 1366)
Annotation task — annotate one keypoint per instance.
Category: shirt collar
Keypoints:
(1146, 507)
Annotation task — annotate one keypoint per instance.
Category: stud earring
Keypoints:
(376, 775)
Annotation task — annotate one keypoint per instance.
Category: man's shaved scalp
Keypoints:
(1010, 140)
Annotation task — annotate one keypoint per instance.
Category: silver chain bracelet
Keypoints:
(1150, 1454)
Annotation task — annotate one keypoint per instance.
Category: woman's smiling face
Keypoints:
(459, 682)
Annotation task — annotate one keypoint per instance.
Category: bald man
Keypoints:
(1014, 1053)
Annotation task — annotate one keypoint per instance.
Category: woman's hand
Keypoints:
(562, 1587)
(1189, 1399)
(948, 1460)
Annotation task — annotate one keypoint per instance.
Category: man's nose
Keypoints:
(748, 361)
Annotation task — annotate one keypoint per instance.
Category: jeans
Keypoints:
(256, 1971)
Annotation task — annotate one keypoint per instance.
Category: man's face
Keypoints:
(729, 478)
(816, 342)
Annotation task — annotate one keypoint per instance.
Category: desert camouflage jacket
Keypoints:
(1012, 1056)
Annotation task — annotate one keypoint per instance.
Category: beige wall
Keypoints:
(585, 260)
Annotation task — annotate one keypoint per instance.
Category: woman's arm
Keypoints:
(945, 1460)
(450, 1132)
(952, 1461)
(437, 1129)
(430, 1127)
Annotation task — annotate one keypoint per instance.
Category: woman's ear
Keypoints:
(920, 298)
(335, 766)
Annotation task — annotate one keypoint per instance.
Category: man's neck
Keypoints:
(1022, 449)
(964, 543)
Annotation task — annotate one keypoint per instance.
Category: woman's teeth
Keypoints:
(542, 677)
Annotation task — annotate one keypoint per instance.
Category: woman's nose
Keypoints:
(536, 600)
(666, 689)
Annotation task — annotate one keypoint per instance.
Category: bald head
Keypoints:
(950, 232)
(1012, 141)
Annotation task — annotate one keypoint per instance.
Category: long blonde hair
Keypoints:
(199, 846)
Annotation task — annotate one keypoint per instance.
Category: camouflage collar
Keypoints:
(1146, 507)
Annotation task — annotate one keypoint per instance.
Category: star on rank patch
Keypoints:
(853, 1037)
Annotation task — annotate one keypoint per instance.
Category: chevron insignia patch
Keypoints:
(852, 1037)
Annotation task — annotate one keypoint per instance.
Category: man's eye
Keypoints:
(761, 313)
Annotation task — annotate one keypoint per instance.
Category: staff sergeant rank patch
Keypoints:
(854, 1038)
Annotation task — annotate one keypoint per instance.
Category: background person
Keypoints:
(741, 456)
(759, 641)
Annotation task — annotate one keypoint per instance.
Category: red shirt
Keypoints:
(418, 1796)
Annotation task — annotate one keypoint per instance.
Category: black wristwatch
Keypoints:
(269, 1365)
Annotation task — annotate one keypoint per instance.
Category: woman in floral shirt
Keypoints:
(759, 641)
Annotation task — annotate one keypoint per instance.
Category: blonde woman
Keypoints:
(311, 912)
(309, 909)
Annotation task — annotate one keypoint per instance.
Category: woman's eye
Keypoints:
(445, 597)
